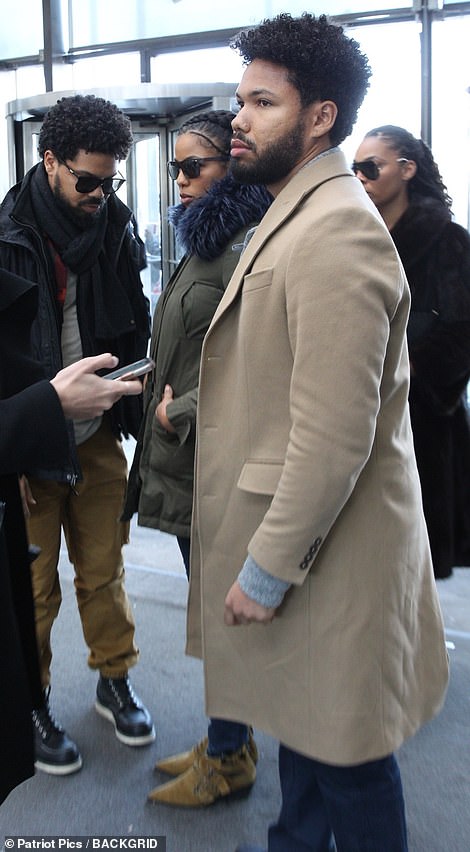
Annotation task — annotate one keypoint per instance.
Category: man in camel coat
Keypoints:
(312, 597)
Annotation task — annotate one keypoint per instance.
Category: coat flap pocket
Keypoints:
(260, 477)
(257, 280)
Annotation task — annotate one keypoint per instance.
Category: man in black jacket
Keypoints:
(32, 429)
(63, 227)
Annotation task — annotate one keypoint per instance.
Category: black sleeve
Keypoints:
(441, 356)
(32, 429)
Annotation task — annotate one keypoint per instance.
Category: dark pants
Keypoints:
(361, 807)
(224, 737)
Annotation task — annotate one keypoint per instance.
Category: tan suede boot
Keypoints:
(208, 779)
(179, 763)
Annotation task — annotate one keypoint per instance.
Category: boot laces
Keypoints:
(123, 692)
(44, 720)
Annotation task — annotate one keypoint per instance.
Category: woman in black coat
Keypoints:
(32, 431)
(401, 177)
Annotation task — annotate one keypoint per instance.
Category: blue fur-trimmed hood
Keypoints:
(206, 226)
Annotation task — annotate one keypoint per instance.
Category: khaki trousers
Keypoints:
(89, 515)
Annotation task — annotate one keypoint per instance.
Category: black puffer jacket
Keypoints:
(211, 231)
(436, 255)
(23, 251)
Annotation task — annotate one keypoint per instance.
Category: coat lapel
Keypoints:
(306, 181)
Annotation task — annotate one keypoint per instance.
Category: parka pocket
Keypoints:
(198, 305)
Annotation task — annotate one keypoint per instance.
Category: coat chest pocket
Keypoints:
(257, 280)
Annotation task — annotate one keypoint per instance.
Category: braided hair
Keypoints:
(427, 182)
(214, 128)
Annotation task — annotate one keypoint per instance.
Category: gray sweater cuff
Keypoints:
(261, 586)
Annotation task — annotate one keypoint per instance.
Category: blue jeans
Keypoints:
(360, 808)
(224, 737)
(184, 545)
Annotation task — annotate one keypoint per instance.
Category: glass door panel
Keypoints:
(144, 198)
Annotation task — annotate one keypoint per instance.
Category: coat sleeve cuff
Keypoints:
(181, 413)
(261, 586)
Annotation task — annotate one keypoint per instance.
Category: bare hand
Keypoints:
(240, 609)
(84, 395)
(27, 498)
(160, 411)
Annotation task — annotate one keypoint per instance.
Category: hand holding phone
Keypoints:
(132, 371)
(83, 394)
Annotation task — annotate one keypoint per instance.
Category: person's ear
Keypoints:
(50, 162)
(409, 170)
(323, 117)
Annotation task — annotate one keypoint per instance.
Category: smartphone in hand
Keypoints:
(132, 371)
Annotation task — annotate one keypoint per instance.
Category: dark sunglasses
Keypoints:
(370, 169)
(191, 166)
(88, 183)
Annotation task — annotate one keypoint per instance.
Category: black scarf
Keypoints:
(83, 251)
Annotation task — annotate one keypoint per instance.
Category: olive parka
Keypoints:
(211, 231)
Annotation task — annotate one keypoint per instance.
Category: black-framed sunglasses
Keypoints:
(88, 183)
(370, 169)
(191, 166)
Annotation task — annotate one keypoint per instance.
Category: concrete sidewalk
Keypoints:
(108, 796)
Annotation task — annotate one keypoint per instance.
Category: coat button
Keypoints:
(310, 554)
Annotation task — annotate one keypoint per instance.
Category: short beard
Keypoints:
(275, 163)
(79, 217)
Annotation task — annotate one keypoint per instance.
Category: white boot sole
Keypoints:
(145, 739)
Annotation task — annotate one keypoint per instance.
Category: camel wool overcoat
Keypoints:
(305, 460)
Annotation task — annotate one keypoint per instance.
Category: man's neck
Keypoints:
(321, 146)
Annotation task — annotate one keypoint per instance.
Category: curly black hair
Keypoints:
(322, 63)
(85, 123)
(215, 127)
(427, 182)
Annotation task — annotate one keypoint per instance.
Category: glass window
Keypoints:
(335, 7)
(216, 65)
(394, 96)
(451, 110)
(30, 80)
(119, 20)
(118, 69)
(21, 33)
(7, 91)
